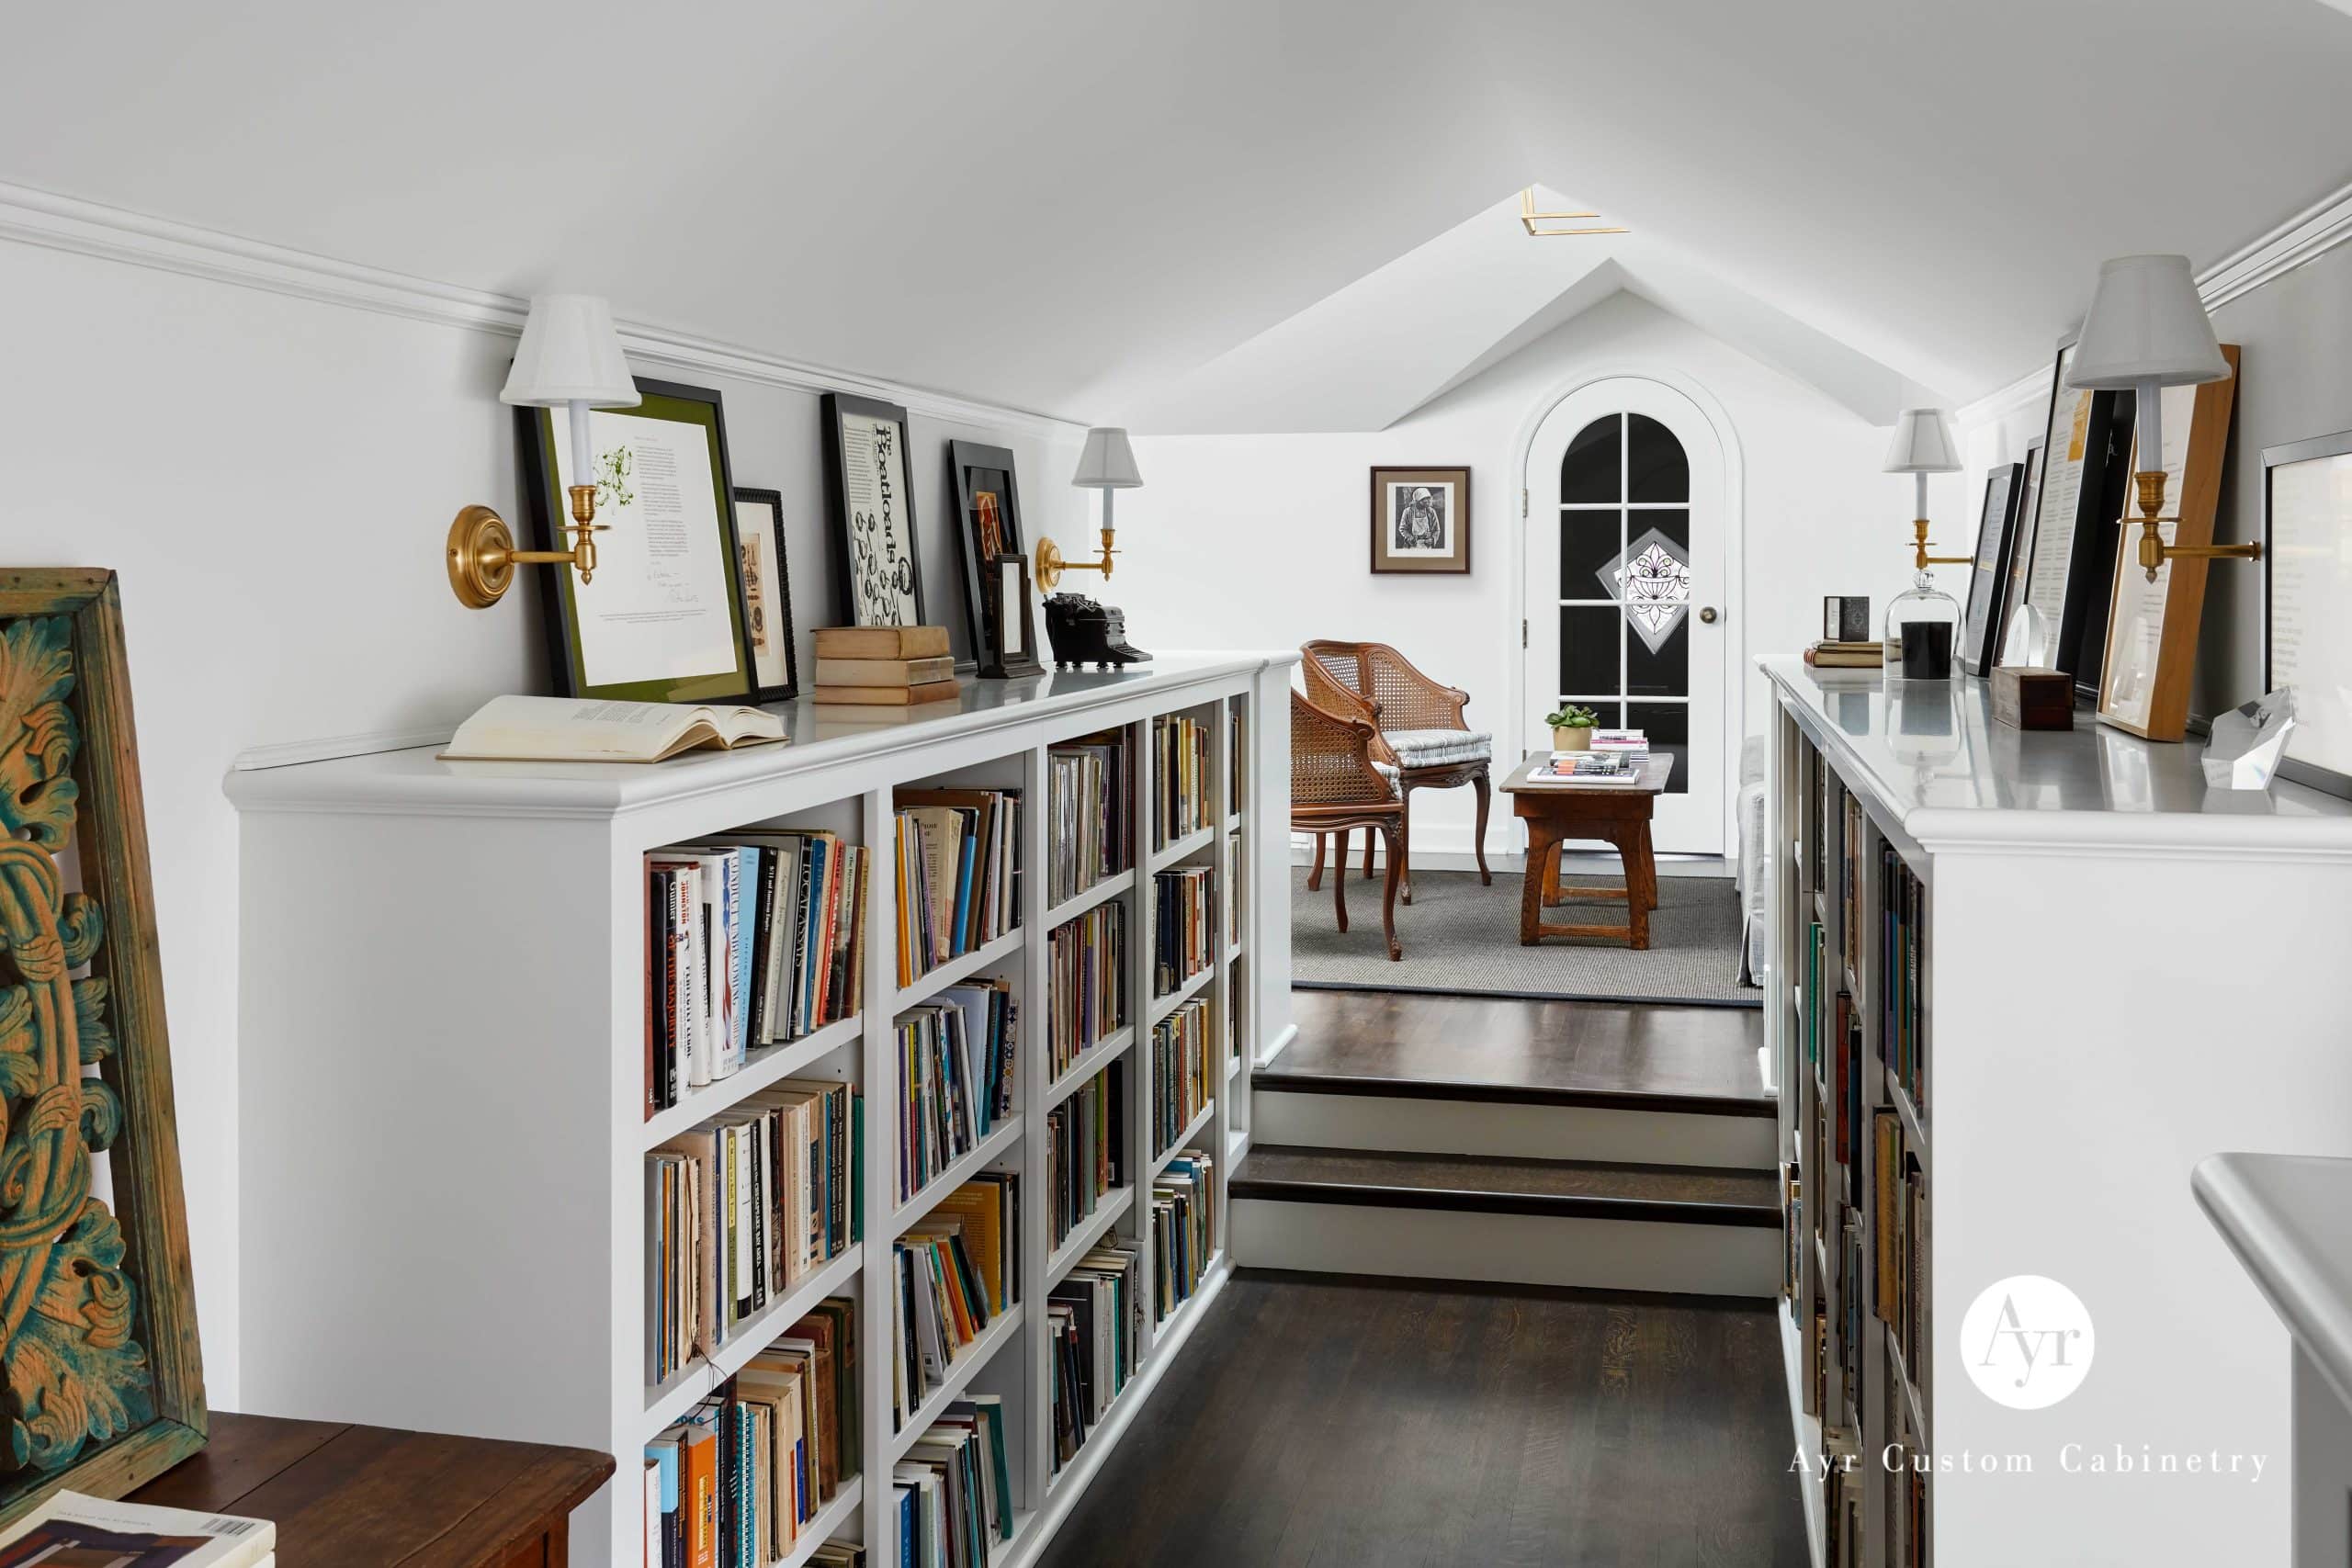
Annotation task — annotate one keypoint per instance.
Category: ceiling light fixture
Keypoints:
(1528, 217)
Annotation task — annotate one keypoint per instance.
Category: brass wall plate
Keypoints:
(481, 552)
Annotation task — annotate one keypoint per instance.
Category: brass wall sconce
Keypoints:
(1107, 464)
(1528, 217)
(570, 358)
(1923, 444)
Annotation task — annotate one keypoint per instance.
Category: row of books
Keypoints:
(1184, 932)
(958, 873)
(741, 1209)
(1841, 1480)
(1086, 802)
(750, 943)
(1086, 982)
(742, 1477)
(1093, 1322)
(1909, 1464)
(1899, 1226)
(954, 1490)
(957, 1272)
(1183, 1230)
(1834, 1047)
(1086, 1150)
(1179, 1072)
(1850, 882)
(1179, 775)
(955, 1076)
(1903, 1033)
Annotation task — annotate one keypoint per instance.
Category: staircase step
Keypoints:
(1277, 1080)
(1483, 1184)
(1424, 1118)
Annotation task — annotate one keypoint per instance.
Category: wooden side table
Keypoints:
(345, 1496)
(1614, 814)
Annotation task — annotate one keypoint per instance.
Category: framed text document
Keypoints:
(2307, 582)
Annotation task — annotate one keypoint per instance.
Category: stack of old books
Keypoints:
(1829, 655)
(883, 667)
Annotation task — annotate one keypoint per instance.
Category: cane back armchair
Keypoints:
(1336, 787)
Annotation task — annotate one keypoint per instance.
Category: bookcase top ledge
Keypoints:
(1950, 778)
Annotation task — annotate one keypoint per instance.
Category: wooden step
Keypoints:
(1479, 1184)
(1392, 1116)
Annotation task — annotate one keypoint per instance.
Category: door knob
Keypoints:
(1707, 615)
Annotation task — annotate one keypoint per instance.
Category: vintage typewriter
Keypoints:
(1085, 632)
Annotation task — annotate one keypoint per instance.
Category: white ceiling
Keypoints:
(1073, 207)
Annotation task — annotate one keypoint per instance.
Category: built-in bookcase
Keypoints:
(459, 1046)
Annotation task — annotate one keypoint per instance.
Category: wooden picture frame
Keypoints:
(2074, 510)
(2150, 660)
(1009, 602)
(597, 645)
(105, 1376)
(763, 570)
(2306, 583)
(985, 492)
(1996, 535)
(1420, 520)
(869, 487)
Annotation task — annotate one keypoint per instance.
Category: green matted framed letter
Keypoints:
(661, 620)
(105, 1382)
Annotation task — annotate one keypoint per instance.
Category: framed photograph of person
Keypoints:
(987, 502)
(766, 577)
(1420, 520)
(1997, 534)
(663, 618)
(872, 508)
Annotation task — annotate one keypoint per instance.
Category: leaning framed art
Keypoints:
(2072, 525)
(873, 508)
(2306, 583)
(990, 538)
(1997, 534)
(767, 577)
(1420, 520)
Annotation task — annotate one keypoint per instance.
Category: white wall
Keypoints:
(1262, 539)
(271, 477)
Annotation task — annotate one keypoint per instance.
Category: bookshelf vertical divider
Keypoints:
(499, 1285)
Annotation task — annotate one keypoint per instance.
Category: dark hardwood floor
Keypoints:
(1569, 1046)
(1315, 1422)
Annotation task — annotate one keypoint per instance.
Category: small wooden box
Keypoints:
(2026, 698)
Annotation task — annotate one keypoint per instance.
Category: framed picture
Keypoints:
(2075, 505)
(662, 619)
(987, 502)
(1996, 532)
(2152, 626)
(1420, 520)
(873, 511)
(2306, 583)
(2012, 647)
(766, 576)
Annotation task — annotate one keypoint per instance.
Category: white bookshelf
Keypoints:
(442, 1101)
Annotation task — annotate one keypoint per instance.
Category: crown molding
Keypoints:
(2308, 235)
(87, 227)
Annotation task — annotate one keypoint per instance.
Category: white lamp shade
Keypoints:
(569, 353)
(1108, 462)
(1923, 444)
(2147, 326)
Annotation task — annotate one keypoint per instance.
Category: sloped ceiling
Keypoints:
(1070, 207)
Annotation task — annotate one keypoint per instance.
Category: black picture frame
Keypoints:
(877, 567)
(984, 492)
(538, 431)
(2327, 780)
(1997, 534)
(765, 594)
(1008, 577)
(2086, 569)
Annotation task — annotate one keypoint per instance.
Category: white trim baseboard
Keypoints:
(56, 222)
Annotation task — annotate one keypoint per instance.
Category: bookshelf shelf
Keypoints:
(1912, 1129)
(762, 1068)
(1185, 1139)
(1162, 1006)
(1088, 1062)
(665, 1404)
(960, 1373)
(1109, 1210)
(1902, 1379)
(1103, 892)
(1233, 823)
(831, 1520)
(548, 1111)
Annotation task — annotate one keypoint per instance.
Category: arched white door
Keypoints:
(1626, 585)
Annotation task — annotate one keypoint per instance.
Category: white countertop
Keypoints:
(2289, 1218)
(1932, 754)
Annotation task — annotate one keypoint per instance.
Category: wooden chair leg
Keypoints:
(1368, 837)
(1479, 841)
(1340, 884)
(1314, 872)
(1404, 847)
(1396, 864)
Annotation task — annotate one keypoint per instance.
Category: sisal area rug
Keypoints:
(1460, 937)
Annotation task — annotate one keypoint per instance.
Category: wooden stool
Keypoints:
(1611, 813)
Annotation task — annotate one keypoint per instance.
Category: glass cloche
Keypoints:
(1922, 633)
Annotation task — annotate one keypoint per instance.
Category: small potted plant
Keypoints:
(1572, 727)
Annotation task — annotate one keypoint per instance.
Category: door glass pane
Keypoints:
(1592, 470)
(1655, 468)
(1667, 725)
(1591, 542)
(1606, 714)
(1673, 524)
(1660, 671)
(1588, 639)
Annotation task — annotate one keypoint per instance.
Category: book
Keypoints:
(1627, 740)
(70, 1528)
(591, 729)
(1846, 655)
(1179, 1072)
(1577, 768)
(884, 671)
(1184, 932)
(1181, 803)
(1086, 982)
(1086, 795)
(881, 642)
(958, 873)
(1183, 1230)
(1093, 1321)
(1086, 1150)
(888, 696)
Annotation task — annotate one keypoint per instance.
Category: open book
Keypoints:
(590, 729)
(70, 1528)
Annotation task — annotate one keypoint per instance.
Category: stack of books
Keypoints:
(954, 1490)
(1828, 655)
(957, 1272)
(1630, 742)
(1621, 768)
(1183, 1230)
(1093, 1320)
(883, 667)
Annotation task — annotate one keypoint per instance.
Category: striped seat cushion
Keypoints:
(1432, 747)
